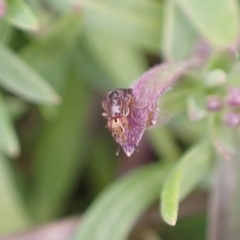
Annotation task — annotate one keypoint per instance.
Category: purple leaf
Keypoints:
(130, 111)
(146, 91)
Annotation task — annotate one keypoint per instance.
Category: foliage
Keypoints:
(58, 59)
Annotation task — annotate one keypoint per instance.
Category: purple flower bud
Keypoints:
(2, 8)
(231, 119)
(214, 103)
(233, 97)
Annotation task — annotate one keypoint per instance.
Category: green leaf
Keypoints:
(189, 171)
(181, 92)
(138, 23)
(116, 210)
(215, 78)
(13, 214)
(102, 164)
(59, 153)
(233, 76)
(8, 140)
(186, 130)
(124, 65)
(196, 106)
(64, 6)
(170, 195)
(5, 31)
(217, 21)
(17, 77)
(20, 15)
(224, 60)
(179, 37)
(51, 54)
(85, 62)
(164, 143)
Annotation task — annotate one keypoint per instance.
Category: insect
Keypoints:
(117, 108)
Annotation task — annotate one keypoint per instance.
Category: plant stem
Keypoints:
(224, 207)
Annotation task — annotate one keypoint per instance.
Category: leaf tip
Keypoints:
(57, 99)
(172, 222)
(13, 150)
(169, 218)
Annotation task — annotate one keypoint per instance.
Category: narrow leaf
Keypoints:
(138, 23)
(188, 172)
(86, 61)
(164, 143)
(122, 57)
(177, 31)
(17, 77)
(50, 55)
(20, 15)
(196, 165)
(233, 76)
(102, 167)
(115, 211)
(8, 140)
(5, 30)
(217, 21)
(64, 6)
(170, 196)
(59, 154)
(13, 214)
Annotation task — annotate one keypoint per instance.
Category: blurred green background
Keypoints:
(58, 58)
